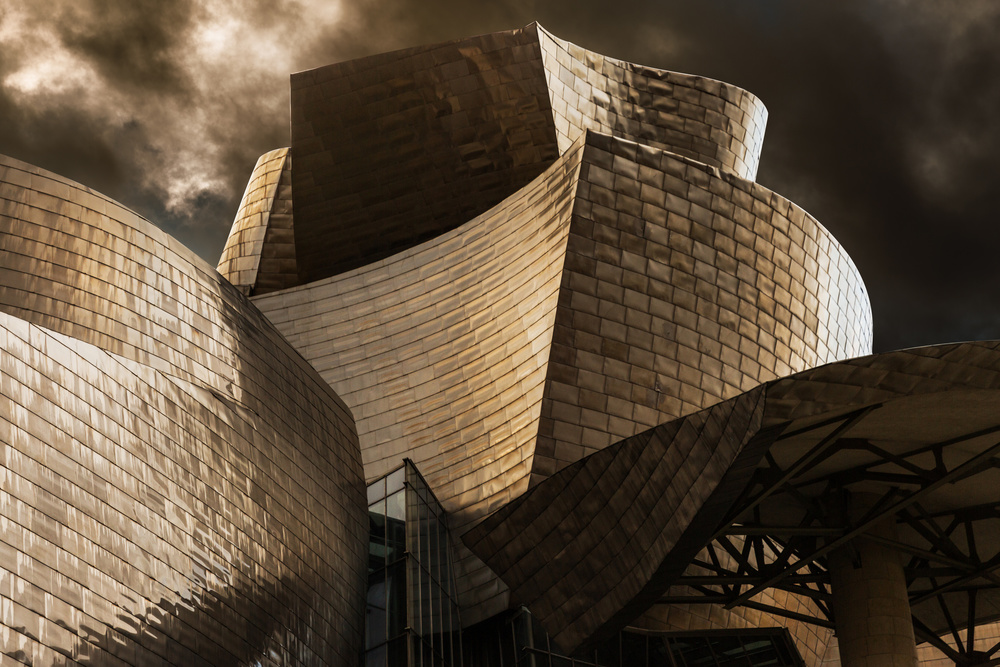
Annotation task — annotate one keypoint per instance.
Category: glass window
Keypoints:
(376, 536)
(375, 612)
(394, 481)
(397, 652)
(376, 657)
(413, 595)
(410, 576)
(396, 589)
(376, 490)
(395, 529)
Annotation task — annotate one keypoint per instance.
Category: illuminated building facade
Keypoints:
(608, 397)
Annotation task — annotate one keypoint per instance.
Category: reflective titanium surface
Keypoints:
(178, 486)
(625, 287)
(396, 148)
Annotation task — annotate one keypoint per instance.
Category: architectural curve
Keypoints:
(259, 255)
(488, 114)
(684, 286)
(549, 291)
(440, 352)
(180, 486)
(703, 119)
(852, 426)
(624, 287)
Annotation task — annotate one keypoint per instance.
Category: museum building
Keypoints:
(507, 361)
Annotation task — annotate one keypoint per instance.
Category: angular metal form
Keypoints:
(594, 546)
(178, 485)
(547, 280)
(394, 149)
(623, 288)
(259, 255)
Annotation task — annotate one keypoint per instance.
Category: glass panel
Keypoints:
(397, 652)
(424, 554)
(412, 522)
(413, 594)
(394, 481)
(375, 611)
(427, 627)
(375, 657)
(410, 555)
(693, 651)
(728, 650)
(376, 490)
(444, 569)
(522, 630)
(433, 544)
(416, 652)
(396, 588)
(395, 529)
(376, 536)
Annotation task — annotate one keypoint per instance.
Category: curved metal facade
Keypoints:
(595, 546)
(628, 284)
(623, 288)
(179, 486)
(543, 275)
(709, 121)
(259, 255)
(393, 149)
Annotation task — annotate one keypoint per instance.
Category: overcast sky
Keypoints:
(884, 114)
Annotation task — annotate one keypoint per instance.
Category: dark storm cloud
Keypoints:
(133, 43)
(883, 122)
(883, 114)
(136, 115)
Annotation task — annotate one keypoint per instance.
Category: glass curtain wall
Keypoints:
(517, 640)
(412, 612)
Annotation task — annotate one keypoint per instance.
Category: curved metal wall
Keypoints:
(627, 285)
(391, 150)
(684, 286)
(440, 353)
(599, 301)
(703, 119)
(593, 547)
(259, 255)
(394, 149)
(179, 485)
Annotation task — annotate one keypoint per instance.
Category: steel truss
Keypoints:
(750, 559)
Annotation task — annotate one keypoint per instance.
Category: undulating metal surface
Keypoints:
(579, 548)
(393, 149)
(446, 352)
(545, 276)
(684, 286)
(396, 148)
(710, 121)
(259, 255)
(179, 486)
(440, 354)
(917, 428)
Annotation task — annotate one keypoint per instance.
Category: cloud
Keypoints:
(164, 105)
(882, 121)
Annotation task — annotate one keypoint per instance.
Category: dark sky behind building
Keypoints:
(884, 114)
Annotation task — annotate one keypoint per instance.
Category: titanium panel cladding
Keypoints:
(178, 485)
